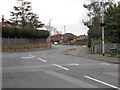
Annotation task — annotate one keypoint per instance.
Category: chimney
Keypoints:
(2, 20)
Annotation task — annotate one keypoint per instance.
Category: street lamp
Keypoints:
(103, 24)
(103, 45)
(50, 30)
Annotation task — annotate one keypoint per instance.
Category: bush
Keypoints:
(23, 33)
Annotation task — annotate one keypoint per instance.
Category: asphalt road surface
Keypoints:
(52, 69)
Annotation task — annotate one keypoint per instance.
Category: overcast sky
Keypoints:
(62, 12)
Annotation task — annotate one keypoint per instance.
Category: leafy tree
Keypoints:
(112, 29)
(94, 20)
(94, 8)
(24, 16)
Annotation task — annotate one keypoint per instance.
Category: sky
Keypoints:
(68, 13)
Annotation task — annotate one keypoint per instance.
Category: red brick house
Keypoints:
(57, 38)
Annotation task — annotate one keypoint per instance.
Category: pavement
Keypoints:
(85, 53)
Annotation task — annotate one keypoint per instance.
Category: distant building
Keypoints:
(57, 38)
(82, 37)
(4, 24)
(63, 38)
(69, 36)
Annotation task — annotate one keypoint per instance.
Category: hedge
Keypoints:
(23, 33)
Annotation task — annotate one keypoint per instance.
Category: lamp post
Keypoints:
(103, 24)
(103, 45)
(50, 30)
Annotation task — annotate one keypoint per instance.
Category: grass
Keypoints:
(118, 56)
(107, 54)
(99, 41)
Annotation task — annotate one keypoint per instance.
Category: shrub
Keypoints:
(23, 33)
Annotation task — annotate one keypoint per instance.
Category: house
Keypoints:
(82, 37)
(4, 24)
(69, 36)
(63, 38)
(57, 38)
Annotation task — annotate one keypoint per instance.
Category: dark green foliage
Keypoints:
(23, 33)
(112, 28)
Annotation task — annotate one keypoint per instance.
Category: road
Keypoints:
(52, 69)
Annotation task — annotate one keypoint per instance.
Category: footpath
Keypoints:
(84, 52)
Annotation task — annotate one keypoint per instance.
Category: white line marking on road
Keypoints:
(104, 63)
(102, 82)
(26, 57)
(72, 80)
(42, 60)
(60, 66)
(31, 56)
(72, 64)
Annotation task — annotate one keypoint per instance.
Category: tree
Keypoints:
(24, 16)
(112, 29)
(94, 20)
(94, 8)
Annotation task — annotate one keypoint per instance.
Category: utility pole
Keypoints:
(103, 46)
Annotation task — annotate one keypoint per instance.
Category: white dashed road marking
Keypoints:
(26, 57)
(102, 82)
(30, 56)
(72, 80)
(42, 60)
(73, 64)
(104, 63)
(60, 66)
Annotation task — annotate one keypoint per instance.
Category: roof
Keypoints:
(56, 37)
(66, 35)
(5, 25)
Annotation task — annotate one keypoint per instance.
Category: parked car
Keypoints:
(55, 43)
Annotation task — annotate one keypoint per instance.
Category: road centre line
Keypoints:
(76, 64)
(26, 57)
(42, 60)
(73, 64)
(102, 82)
(60, 66)
(71, 80)
(105, 64)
